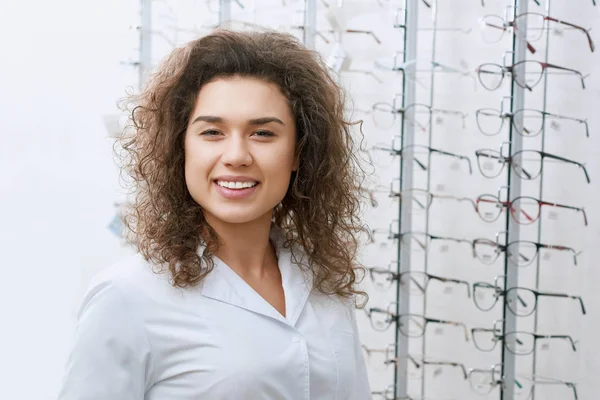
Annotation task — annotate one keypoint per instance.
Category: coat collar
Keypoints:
(225, 285)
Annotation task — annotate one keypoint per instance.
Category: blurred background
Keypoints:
(482, 265)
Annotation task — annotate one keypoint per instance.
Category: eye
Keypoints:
(264, 133)
(210, 132)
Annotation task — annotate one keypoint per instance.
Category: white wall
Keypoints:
(60, 73)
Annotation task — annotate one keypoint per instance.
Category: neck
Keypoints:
(245, 247)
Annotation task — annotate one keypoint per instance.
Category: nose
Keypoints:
(236, 152)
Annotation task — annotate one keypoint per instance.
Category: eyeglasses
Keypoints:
(415, 200)
(410, 68)
(522, 302)
(420, 362)
(524, 210)
(493, 28)
(384, 114)
(482, 381)
(526, 163)
(422, 240)
(518, 343)
(538, 380)
(396, 63)
(491, 75)
(415, 281)
(410, 325)
(384, 161)
(490, 121)
(419, 241)
(521, 252)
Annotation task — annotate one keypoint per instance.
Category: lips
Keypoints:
(235, 194)
(235, 178)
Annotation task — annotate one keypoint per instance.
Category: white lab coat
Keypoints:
(138, 338)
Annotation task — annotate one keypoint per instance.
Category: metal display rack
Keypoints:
(508, 362)
(511, 272)
(409, 30)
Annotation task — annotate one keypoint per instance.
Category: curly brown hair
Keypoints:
(322, 206)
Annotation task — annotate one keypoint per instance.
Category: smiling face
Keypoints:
(240, 129)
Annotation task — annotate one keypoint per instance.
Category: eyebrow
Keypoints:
(218, 120)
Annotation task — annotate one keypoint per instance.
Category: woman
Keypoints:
(246, 225)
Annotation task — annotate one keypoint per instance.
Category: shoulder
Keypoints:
(131, 282)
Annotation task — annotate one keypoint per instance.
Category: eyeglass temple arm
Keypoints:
(419, 203)
(415, 362)
(380, 310)
(583, 311)
(566, 296)
(450, 364)
(460, 199)
(464, 370)
(582, 121)
(422, 245)
(530, 47)
(448, 68)
(390, 149)
(536, 337)
(581, 209)
(500, 157)
(421, 287)
(587, 177)
(572, 386)
(454, 323)
(452, 239)
(462, 115)
(454, 364)
(567, 69)
(467, 285)
(371, 33)
(561, 248)
(473, 330)
(457, 281)
(456, 156)
(592, 47)
(420, 164)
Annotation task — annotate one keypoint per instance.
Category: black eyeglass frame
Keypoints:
(496, 155)
(506, 294)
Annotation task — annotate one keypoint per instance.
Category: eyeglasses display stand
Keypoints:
(511, 271)
(518, 345)
(403, 298)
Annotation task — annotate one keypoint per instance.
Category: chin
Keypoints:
(237, 215)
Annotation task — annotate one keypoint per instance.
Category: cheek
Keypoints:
(279, 163)
(198, 163)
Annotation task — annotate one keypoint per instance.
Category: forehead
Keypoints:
(243, 97)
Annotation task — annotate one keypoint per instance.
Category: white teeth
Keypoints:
(236, 185)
